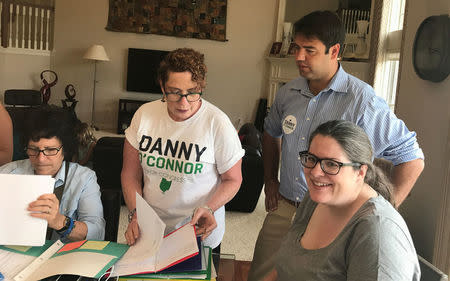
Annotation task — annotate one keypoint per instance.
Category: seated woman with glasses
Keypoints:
(346, 227)
(74, 211)
(186, 151)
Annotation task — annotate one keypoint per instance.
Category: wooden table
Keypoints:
(233, 270)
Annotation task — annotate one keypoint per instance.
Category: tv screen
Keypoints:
(142, 70)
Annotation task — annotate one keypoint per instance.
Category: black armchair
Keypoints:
(111, 212)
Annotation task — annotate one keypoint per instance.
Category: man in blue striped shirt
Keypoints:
(323, 92)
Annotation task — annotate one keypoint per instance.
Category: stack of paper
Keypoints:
(153, 251)
(183, 271)
(89, 258)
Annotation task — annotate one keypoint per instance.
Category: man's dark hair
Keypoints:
(51, 121)
(323, 25)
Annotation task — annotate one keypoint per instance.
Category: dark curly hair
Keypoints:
(181, 60)
(51, 121)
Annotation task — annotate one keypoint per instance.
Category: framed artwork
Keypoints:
(201, 19)
(276, 48)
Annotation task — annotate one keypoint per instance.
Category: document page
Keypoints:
(177, 247)
(141, 256)
(16, 224)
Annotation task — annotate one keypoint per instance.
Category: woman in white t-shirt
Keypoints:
(181, 153)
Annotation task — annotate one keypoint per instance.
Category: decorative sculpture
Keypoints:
(70, 97)
(45, 90)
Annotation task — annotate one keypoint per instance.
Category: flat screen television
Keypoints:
(142, 70)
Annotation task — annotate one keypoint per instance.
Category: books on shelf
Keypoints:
(89, 258)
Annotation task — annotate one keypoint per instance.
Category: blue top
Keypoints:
(296, 113)
(81, 197)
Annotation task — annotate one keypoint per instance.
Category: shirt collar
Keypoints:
(59, 178)
(338, 83)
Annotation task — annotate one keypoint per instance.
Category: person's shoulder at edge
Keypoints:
(16, 167)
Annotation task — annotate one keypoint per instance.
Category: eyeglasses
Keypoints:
(50, 151)
(177, 96)
(328, 166)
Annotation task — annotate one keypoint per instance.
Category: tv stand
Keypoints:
(127, 108)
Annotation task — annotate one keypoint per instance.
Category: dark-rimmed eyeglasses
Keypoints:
(177, 96)
(49, 151)
(328, 166)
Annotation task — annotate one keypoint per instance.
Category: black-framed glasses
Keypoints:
(49, 151)
(177, 96)
(328, 166)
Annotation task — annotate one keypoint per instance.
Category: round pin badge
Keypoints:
(289, 124)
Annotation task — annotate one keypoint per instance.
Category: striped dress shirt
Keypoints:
(296, 113)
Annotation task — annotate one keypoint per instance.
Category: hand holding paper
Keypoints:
(16, 192)
(47, 207)
(204, 221)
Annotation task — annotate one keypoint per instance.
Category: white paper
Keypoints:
(16, 224)
(80, 263)
(12, 263)
(176, 246)
(141, 256)
(151, 246)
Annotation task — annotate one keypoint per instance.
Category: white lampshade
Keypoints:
(96, 52)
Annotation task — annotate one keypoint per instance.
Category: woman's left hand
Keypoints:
(47, 207)
(204, 221)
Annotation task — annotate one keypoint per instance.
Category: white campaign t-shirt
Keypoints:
(182, 161)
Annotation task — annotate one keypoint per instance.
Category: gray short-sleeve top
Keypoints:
(374, 245)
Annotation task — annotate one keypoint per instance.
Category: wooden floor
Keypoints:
(233, 270)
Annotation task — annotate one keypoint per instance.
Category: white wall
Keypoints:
(20, 69)
(425, 108)
(236, 76)
(296, 9)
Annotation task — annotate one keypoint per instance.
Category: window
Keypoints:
(387, 68)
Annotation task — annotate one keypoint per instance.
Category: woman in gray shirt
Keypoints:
(346, 227)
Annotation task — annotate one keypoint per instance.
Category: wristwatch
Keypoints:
(131, 214)
(65, 227)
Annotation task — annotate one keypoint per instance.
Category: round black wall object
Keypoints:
(431, 50)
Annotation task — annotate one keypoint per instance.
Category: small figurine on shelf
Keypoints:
(70, 97)
(45, 90)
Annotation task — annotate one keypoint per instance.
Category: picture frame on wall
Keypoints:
(276, 48)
